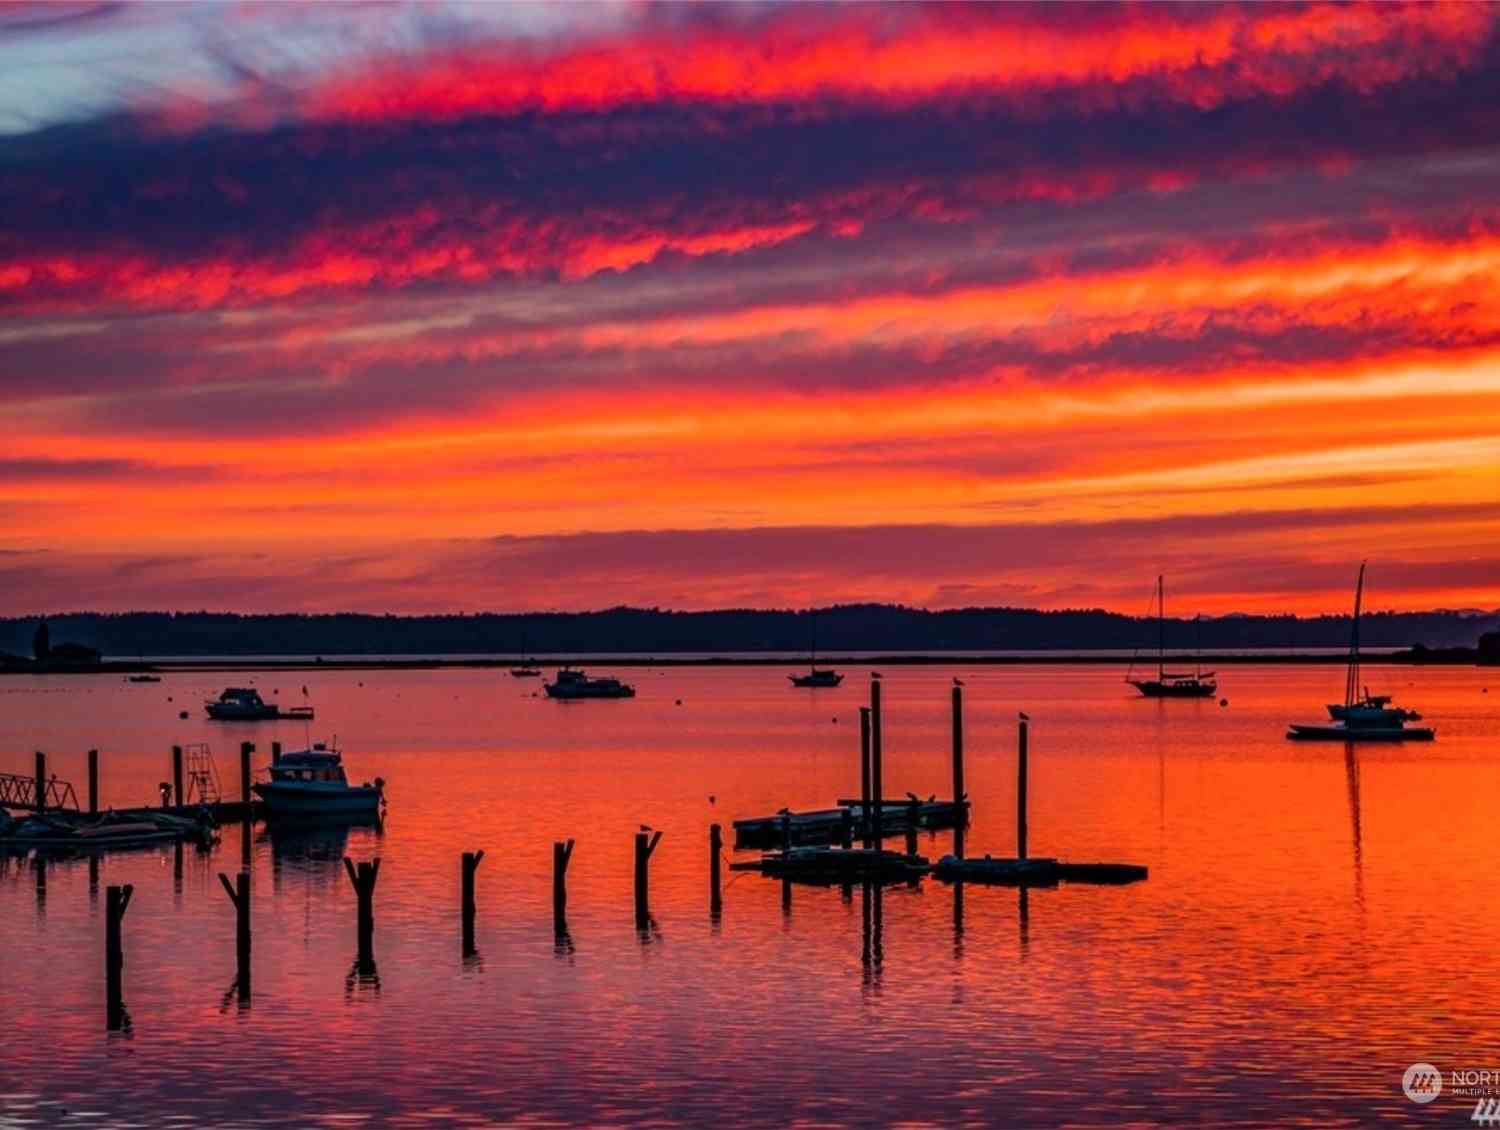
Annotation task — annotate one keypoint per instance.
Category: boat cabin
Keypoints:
(317, 764)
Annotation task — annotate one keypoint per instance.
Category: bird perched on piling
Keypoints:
(645, 827)
(1023, 716)
(957, 682)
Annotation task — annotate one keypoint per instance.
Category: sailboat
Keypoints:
(1362, 716)
(1171, 684)
(528, 668)
(816, 676)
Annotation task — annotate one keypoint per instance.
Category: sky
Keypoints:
(447, 307)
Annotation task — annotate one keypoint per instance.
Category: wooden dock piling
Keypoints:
(715, 852)
(362, 878)
(864, 773)
(239, 896)
(471, 861)
(93, 782)
(911, 826)
(876, 793)
(246, 749)
(958, 769)
(846, 828)
(645, 844)
(41, 781)
(275, 751)
(116, 900)
(1021, 757)
(562, 853)
(177, 794)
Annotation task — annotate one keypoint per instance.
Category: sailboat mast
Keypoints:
(1351, 683)
(812, 660)
(1161, 630)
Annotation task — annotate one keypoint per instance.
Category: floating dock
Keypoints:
(829, 825)
(837, 865)
(1033, 872)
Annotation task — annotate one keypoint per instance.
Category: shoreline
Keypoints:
(1408, 658)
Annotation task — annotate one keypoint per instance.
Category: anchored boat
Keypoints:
(311, 782)
(1169, 684)
(1362, 716)
(572, 683)
(816, 676)
(244, 704)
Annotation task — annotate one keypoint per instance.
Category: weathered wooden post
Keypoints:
(912, 808)
(239, 895)
(562, 853)
(864, 774)
(715, 851)
(246, 749)
(846, 828)
(93, 781)
(471, 861)
(116, 900)
(41, 781)
(275, 751)
(363, 880)
(177, 775)
(1021, 752)
(959, 816)
(876, 786)
(786, 831)
(645, 844)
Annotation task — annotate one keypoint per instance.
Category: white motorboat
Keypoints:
(311, 782)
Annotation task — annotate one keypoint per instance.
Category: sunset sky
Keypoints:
(442, 307)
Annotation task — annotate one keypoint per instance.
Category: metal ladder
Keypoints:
(202, 775)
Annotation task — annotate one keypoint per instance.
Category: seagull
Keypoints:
(645, 827)
(1024, 716)
(874, 674)
(711, 798)
(957, 682)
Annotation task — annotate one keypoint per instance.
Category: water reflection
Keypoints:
(363, 977)
(1351, 774)
(872, 945)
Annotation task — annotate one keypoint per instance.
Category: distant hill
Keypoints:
(853, 627)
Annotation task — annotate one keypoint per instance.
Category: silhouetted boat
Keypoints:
(571, 683)
(1169, 684)
(816, 676)
(528, 668)
(311, 782)
(143, 678)
(1362, 717)
(244, 704)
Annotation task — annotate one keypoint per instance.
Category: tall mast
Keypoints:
(1351, 682)
(1161, 630)
(812, 660)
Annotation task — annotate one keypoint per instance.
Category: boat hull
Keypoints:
(301, 800)
(1340, 733)
(589, 692)
(1151, 688)
(816, 680)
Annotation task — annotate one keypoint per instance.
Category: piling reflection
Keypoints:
(872, 950)
(363, 977)
(1351, 774)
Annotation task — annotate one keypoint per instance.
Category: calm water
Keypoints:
(1314, 922)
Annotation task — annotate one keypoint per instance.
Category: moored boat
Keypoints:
(1171, 684)
(312, 782)
(816, 676)
(1362, 716)
(244, 704)
(573, 683)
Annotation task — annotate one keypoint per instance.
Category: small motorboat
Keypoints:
(311, 782)
(573, 683)
(1358, 732)
(59, 831)
(244, 704)
(817, 677)
(143, 678)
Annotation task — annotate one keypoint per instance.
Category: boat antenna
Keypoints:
(1161, 630)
